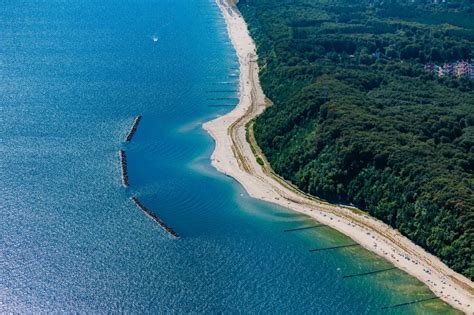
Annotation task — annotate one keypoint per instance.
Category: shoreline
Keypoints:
(234, 156)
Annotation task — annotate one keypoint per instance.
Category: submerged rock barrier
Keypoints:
(410, 303)
(222, 91)
(305, 228)
(222, 98)
(333, 247)
(369, 273)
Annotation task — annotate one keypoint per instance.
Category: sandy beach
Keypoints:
(234, 156)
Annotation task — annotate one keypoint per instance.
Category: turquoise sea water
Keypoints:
(73, 75)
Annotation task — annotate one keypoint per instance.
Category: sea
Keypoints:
(74, 74)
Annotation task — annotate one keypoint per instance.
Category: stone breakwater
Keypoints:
(125, 182)
(123, 167)
(150, 214)
(133, 129)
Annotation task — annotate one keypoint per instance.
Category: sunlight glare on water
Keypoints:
(73, 76)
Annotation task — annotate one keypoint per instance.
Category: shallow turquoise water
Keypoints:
(73, 75)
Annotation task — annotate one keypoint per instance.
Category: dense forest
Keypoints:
(357, 119)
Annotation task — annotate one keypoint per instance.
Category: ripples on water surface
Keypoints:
(73, 75)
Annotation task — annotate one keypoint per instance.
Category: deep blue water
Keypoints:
(73, 75)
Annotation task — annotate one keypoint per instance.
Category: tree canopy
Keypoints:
(357, 119)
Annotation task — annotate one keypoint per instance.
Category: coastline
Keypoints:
(234, 156)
